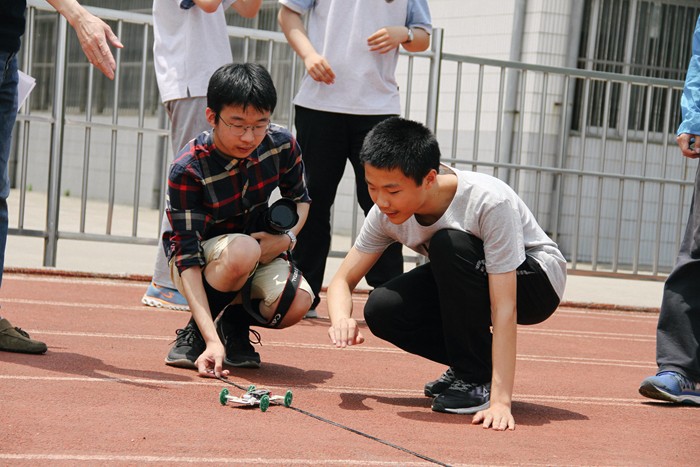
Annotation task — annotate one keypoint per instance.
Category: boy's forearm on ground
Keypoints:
(339, 300)
(503, 356)
(503, 294)
(351, 271)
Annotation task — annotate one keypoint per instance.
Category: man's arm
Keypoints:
(343, 330)
(503, 293)
(293, 28)
(93, 34)
(690, 103)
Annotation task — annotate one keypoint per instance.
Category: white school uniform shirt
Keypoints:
(189, 45)
(365, 82)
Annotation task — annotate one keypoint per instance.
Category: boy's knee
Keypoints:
(241, 256)
(379, 309)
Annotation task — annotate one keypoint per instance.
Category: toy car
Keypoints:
(252, 397)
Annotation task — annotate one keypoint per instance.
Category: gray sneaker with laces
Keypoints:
(433, 388)
(187, 347)
(463, 398)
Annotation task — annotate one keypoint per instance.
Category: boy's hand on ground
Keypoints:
(319, 69)
(210, 363)
(345, 332)
(497, 416)
(387, 39)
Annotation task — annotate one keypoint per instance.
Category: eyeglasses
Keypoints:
(240, 130)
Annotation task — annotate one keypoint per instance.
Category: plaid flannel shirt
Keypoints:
(210, 194)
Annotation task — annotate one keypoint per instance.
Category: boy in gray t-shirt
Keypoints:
(491, 265)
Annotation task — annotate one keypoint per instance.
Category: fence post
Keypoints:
(434, 79)
(56, 152)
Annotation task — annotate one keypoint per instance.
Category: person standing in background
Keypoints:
(678, 330)
(94, 36)
(350, 52)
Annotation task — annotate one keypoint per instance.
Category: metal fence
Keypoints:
(614, 199)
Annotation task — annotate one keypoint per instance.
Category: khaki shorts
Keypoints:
(268, 279)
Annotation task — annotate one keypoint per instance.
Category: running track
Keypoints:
(102, 395)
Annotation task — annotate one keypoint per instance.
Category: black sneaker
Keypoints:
(463, 398)
(239, 349)
(438, 386)
(187, 347)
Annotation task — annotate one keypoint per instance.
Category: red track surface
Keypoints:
(102, 394)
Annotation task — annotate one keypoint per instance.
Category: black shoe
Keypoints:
(187, 347)
(463, 398)
(239, 349)
(438, 386)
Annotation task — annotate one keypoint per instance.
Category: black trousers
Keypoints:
(442, 311)
(327, 141)
(678, 330)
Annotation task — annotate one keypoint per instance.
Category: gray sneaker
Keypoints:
(463, 398)
(437, 387)
(14, 339)
(187, 347)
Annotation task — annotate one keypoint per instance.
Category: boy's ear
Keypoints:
(430, 178)
(211, 117)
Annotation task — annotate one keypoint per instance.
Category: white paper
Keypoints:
(26, 84)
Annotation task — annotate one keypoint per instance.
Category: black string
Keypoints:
(347, 428)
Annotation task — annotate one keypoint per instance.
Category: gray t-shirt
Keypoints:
(490, 210)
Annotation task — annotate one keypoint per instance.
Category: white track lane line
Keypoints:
(369, 392)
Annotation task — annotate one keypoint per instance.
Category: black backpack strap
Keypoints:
(285, 300)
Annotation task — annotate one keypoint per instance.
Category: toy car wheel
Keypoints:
(222, 396)
(288, 398)
(251, 388)
(264, 402)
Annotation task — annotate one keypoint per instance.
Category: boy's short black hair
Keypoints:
(241, 84)
(397, 143)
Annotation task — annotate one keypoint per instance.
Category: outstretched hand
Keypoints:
(94, 35)
(345, 332)
(210, 363)
(497, 416)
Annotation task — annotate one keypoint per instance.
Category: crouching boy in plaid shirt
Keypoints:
(221, 250)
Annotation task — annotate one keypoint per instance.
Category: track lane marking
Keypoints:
(379, 392)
